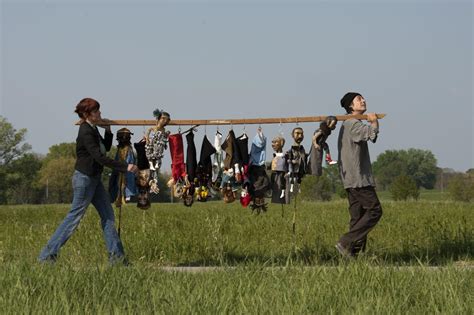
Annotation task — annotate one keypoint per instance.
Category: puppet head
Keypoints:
(162, 118)
(278, 143)
(124, 137)
(143, 199)
(298, 135)
(227, 194)
(245, 198)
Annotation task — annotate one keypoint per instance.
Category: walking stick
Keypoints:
(118, 203)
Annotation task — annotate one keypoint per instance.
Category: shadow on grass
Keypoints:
(442, 253)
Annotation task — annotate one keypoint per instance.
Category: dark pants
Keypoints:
(365, 211)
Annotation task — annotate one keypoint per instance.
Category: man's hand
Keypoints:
(372, 119)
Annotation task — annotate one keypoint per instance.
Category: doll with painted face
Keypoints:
(279, 168)
(319, 146)
(122, 185)
(156, 143)
(296, 159)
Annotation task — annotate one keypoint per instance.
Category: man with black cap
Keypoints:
(356, 174)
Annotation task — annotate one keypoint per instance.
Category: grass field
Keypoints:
(419, 260)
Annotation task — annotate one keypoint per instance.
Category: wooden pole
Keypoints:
(246, 121)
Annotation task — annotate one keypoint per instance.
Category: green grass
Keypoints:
(419, 260)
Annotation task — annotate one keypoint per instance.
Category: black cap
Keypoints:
(347, 99)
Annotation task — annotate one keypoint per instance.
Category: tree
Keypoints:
(56, 178)
(388, 166)
(420, 165)
(10, 142)
(315, 188)
(404, 187)
(461, 187)
(22, 180)
(10, 149)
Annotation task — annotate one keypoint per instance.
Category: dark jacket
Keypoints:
(89, 159)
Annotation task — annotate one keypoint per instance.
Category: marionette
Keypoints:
(178, 168)
(259, 182)
(243, 151)
(143, 176)
(122, 186)
(218, 162)
(188, 192)
(245, 197)
(156, 144)
(296, 159)
(232, 158)
(319, 145)
(279, 168)
(204, 167)
(191, 166)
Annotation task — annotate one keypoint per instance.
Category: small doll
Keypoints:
(143, 176)
(279, 168)
(319, 145)
(156, 144)
(122, 186)
(296, 159)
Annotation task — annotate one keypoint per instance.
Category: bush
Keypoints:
(404, 187)
(461, 188)
(314, 188)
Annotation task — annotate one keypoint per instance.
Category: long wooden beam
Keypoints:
(246, 121)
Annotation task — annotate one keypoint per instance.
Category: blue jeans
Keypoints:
(86, 190)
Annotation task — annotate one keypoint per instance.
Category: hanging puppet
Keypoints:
(296, 159)
(259, 182)
(177, 182)
(191, 166)
(231, 175)
(279, 177)
(122, 185)
(143, 176)
(218, 162)
(156, 144)
(204, 170)
(319, 146)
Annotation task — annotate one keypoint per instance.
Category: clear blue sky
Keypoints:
(244, 59)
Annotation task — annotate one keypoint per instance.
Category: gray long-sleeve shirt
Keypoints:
(353, 159)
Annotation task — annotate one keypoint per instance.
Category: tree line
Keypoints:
(30, 178)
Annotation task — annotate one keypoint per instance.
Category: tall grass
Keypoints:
(273, 270)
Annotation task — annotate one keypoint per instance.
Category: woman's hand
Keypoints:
(106, 126)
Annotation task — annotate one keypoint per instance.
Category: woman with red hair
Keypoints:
(91, 158)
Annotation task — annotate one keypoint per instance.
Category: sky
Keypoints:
(412, 60)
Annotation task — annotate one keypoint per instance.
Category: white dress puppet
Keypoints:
(156, 144)
(279, 168)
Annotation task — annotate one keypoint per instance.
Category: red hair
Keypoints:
(86, 105)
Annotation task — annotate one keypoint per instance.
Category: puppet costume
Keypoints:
(191, 166)
(143, 176)
(319, 146)
(243, 151)
(124, 183)
(279, 180)
(233, 156)
(259, 182)
(296, 165)
(178, 168)
(204, 169)
(155, 148)
(218, 162)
